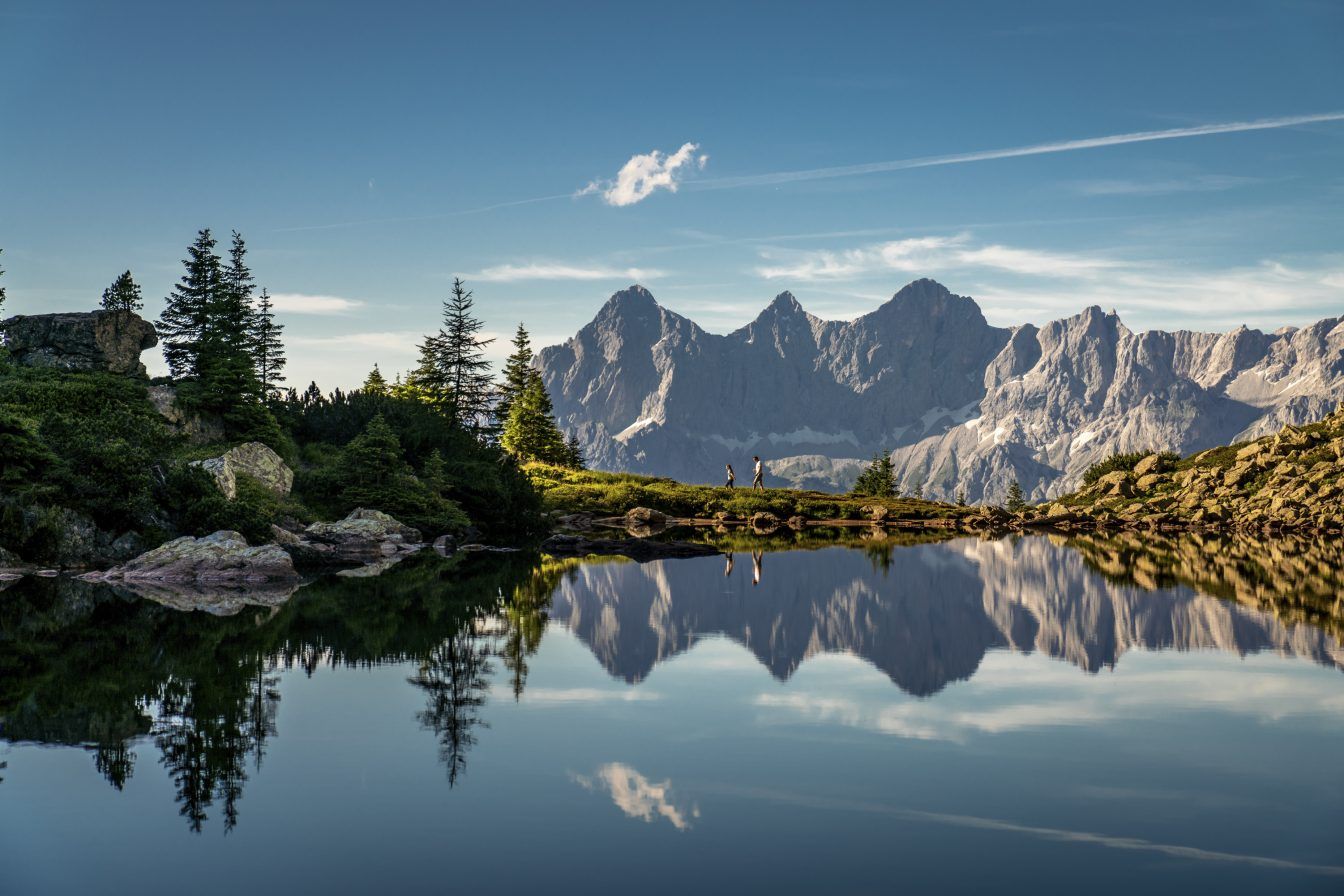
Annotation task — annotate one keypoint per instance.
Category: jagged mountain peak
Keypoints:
(785, 301)
(632, 297)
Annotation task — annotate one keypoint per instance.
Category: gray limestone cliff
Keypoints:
(960, 403)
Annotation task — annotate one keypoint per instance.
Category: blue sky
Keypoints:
(369, 152)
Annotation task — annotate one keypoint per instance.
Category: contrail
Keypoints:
(1232, 127)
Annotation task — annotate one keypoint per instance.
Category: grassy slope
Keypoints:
(615, 493)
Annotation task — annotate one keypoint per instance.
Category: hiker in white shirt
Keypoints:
(758, 481)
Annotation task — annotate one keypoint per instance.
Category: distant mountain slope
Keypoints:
(962, 404)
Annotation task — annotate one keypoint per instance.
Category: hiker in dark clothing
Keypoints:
(731, 476)
(757, 481)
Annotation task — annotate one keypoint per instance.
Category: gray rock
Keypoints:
(221, 557)
(106, 341)
(364, 536)
(254, 460)
(196, 429)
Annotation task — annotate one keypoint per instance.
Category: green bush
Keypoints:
(1125, 462)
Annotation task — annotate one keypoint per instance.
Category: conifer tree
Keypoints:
(228, 381)
(123, 296)
(2, 289)
(574, 458)
(435, 474)
(1016, 500)
(268, 351)
(186, 311)
(377, 474)
(374, 384)
(530, 432)
(517, 372)
(961, 497)
(878, 480)
(453, 372)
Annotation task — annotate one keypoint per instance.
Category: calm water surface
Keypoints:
(962, 716)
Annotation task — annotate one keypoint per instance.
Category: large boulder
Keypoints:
(108, 341)
(221, 557)
(252, 459)
(365, 536)
(196, 429)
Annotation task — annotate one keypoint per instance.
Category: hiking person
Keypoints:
(757, 481)
(731, 476)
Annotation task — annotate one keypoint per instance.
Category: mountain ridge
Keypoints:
(962, 404)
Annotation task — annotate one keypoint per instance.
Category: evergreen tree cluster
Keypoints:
(453, 374)
(123, 296)
(878, 480)
(221, 343)
(526, 415)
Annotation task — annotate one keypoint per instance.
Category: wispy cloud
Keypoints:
(1201, 183)
(509, 273)
(391, 340)
(647, 172)
(301, 303)
(1013, 283)
(926, 255)
(1036, 149)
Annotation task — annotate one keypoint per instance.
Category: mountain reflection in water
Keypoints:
(129, 678)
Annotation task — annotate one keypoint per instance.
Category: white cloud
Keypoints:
(647, 172)
(300, 303)
(393, 340)
(637, 796)
(509, 273)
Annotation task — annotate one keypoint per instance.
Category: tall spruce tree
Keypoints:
(517, 372)
(228, 376)
(187, 310)
(574, 458)
(1016, 501)
(530, 432)
(123, 296)
(2, 289)
(268, 351)
(453, 373)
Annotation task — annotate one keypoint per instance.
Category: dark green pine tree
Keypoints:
(268, 351)
(374, 383)
(123, 296)
(2, 289)
(530, 432)
(376, 472)
(574, 458)
(1016, 499)
(517, 372)
(453, 372)
(187, 310)
(228, 382)
(878, 480)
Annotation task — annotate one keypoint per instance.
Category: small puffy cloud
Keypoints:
(637, 796)
(299, 303)
(647, 172)
(509, 273)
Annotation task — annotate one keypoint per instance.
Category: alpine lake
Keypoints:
(868, 713)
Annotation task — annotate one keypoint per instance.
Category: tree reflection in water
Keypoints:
(90, 666)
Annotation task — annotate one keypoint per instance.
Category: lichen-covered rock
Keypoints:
(220, 557)
(254, 460)
(764, 521)
(107, 341)
(364, 536)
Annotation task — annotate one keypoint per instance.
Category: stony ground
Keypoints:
(1290, 481)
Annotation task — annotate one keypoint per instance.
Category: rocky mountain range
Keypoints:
(961, 404)
(925, 618)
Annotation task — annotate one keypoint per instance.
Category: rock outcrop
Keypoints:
(963, 405)
(1293, 480)
(364, 536)
(218, 558)
(108, 341)
(196, 429)
(254, 460)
